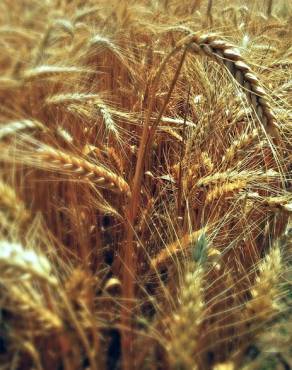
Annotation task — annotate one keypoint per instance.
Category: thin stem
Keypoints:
(270, 7)
(79, 330)
(179, 194)
(129, 267)
(209, 10)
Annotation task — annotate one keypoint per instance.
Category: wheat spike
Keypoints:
(16, 261)
(184, 324)
(10, 202)
(11, 128)
(266, 288)
(48, 71)
(234, 175)
(224, 189)
(64, 99)
(25, 302)
(225, 53)
(82, 167)
(282, 202)
(238, 146)
(179, 246)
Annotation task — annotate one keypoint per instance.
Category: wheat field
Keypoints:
(145, 185)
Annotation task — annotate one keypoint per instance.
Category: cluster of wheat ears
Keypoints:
(145, 190)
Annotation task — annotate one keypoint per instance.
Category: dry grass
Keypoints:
(145, 193)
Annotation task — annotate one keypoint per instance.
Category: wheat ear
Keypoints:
(184, 325)
(265, 289)
(225, 53)
(235, 175)
(88, 170)
(283, 202)
(179, 246)
(236, 148)
(47, 71)
(224, 189)
(21, 301)
(13, 127)
(16, 262)
(65, 99)
(91, 99)
(11, 203)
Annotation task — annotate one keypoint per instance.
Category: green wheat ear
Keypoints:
(200, 249)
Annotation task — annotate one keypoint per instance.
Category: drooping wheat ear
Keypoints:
(17, 262)
(10, 128)
(11, 204)
(235, 175)
(224, 189)
(265, 290)
(180, 246)
(82, 167)
(237, 147)
(184, 324)
(225, 53)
